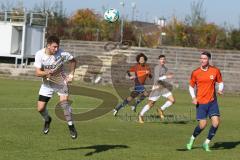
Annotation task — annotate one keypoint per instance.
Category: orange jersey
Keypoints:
(141, 73)
(205, 83)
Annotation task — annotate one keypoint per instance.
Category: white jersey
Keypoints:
(163, 89)
(45, 61)
(159, 71)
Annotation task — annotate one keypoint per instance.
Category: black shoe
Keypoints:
(73, 132)
(47, 126)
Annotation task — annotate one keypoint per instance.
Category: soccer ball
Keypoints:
(111, 15)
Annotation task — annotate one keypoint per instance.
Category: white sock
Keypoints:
(166, 105)
(207, 141)
(192, 137)
(145, 109)
(70, 123)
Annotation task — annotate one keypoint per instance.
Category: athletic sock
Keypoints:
(207, 141)
(67, 110)
(70, 123)
(124, 103)
(212, 132)
(144, 110)
(139, 100)
(45, 114)
(166, 105)
(197, 131)
(192, 137)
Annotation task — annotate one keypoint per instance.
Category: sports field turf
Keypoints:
(108, 137)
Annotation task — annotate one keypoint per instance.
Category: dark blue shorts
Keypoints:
(207, 110)
(139, 88)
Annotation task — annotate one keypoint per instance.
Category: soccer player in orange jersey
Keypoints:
(141, 72)
(204, 80)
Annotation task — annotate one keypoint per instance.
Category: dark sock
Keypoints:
(212, 132)
(124, 103)
(197, 131)
(139, 100)
(44, 114)
(67, 110)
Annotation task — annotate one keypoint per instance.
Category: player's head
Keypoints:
(162, 59)
(205, 57)
(52, 44)
(141, 58)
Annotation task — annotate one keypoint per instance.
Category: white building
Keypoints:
(21, 34)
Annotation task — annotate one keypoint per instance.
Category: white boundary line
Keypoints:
(47, 108)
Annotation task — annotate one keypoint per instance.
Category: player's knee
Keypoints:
(151, 103)
(202, 125)
(41, 107)
(172, 99)
(129, 99)
(216, 123)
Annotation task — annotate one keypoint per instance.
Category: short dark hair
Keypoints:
(53, 39)
(206, 53)
(161, 56)
(141, 55)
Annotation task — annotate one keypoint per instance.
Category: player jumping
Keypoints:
(141, 71)
(46, 60)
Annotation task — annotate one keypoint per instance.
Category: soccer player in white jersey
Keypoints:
(46, 60)
(160, 88)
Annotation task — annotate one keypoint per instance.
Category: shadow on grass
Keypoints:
(185, 149)
(218, 146)
(97, 148)
(225, 145)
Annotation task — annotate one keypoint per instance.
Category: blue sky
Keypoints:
(217, 11)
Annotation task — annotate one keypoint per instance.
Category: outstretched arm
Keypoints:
(167, 76)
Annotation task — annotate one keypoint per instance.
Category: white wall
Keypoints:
(16, 41)
(34, 40)
(5, 39)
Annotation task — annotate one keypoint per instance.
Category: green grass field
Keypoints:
(108, 137)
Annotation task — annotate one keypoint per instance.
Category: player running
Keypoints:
(46, 62)
(141, 72)
(204, 79)
(160, 88)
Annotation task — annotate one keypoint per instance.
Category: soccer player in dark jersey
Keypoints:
(141, 72)
(204, 79)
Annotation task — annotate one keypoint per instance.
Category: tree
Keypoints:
(57, 19)
(197, 16)
(235, 39)
(83, 24)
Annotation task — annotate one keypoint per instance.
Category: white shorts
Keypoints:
(155, 97)
(48, 91)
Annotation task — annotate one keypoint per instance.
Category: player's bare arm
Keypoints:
(220, 88)
(72, 70)
(42, 73)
